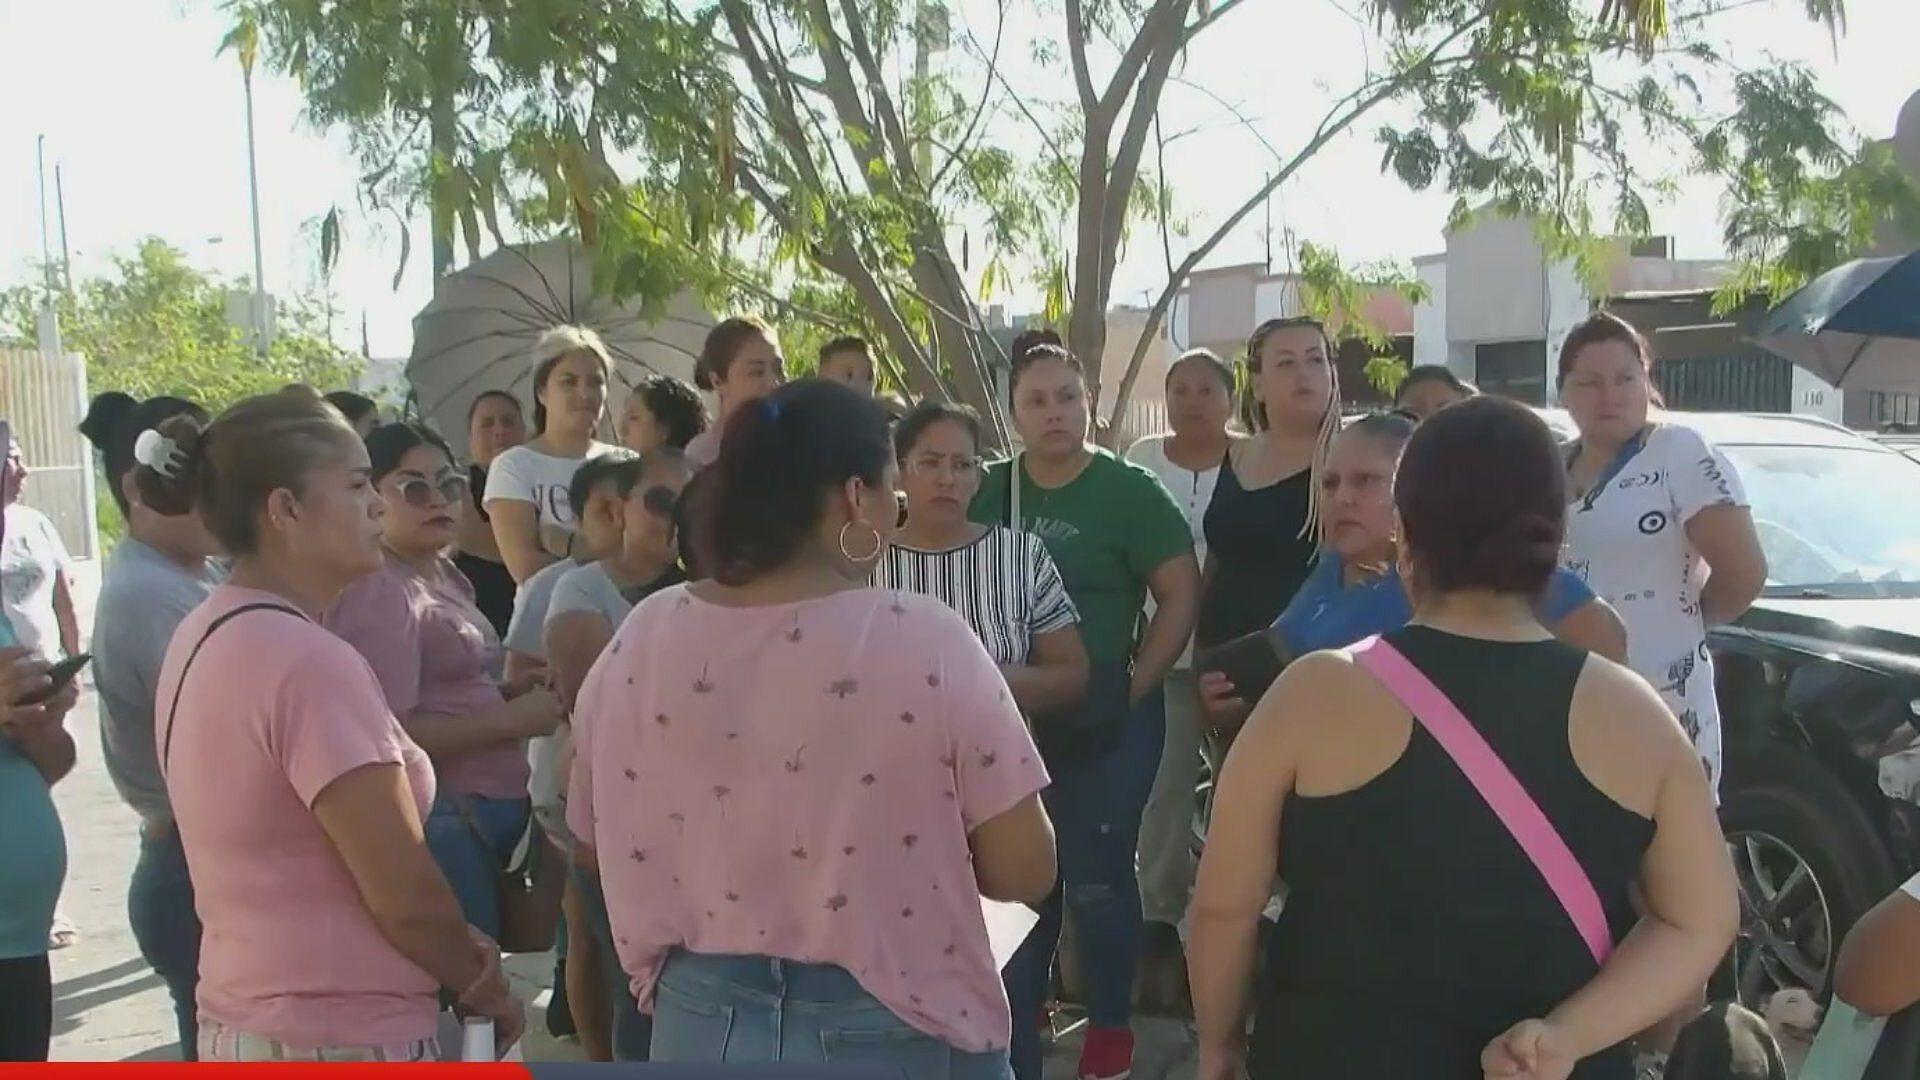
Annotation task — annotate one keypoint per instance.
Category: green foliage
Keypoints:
(156, 325)
(1386, 373)
(779, 155)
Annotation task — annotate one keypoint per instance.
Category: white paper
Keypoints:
(1007, 927)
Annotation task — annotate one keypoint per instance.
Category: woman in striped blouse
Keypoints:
(1002, 582)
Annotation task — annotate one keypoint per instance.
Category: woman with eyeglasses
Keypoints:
(1260, 523)
(415, 622)
(526, 492)
(590, 601)
(1002, 582)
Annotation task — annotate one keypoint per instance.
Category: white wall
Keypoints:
(1567, 305)
(1430, 315)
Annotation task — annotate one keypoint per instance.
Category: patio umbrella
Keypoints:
(477, 332)
(1855, 325)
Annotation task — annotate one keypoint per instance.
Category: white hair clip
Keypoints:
(159, 453)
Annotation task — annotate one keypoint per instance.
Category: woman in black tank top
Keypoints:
(1418, 938)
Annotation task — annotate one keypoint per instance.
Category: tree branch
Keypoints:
(1144, 45)
(980, 111)
(1357, 104)
(1077, 50)
(1220, 10)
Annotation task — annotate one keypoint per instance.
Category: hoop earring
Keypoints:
(861, 559)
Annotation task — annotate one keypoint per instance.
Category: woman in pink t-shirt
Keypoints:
(415, 621)
(798, 788)
(328, 929)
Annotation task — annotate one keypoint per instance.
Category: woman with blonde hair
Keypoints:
(1260, 523)
(527, 485)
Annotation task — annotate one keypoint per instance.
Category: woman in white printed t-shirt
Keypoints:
(1199, 404)
(527, 486)
(1659, 525)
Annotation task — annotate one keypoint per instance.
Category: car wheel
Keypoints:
(1808, 864)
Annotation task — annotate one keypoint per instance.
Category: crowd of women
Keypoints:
(759, 710)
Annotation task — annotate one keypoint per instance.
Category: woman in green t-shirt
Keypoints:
(1116, 535)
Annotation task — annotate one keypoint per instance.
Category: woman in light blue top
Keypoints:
(1355, 591)
(157, 574)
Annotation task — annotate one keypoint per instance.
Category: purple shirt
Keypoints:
(799, 781)
(434, 651)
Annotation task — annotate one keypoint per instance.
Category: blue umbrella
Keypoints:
(1855, 325)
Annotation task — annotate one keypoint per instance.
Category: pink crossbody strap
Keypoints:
(1497, 785)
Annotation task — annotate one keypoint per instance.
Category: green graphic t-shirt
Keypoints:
(1107, 530)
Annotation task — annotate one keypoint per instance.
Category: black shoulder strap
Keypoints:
(166, 747)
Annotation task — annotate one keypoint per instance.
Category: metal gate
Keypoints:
(1751, 383)
(44, 397)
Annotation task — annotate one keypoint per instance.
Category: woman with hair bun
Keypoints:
(1420, 936)
(833, 775)
(330, 932)
(739, 363)
(159, 572)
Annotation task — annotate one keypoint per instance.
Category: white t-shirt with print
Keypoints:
(30, 558)
(1193, 490)
(1627, 538)
(524, 474)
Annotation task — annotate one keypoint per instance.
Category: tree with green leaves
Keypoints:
(887, 166)
(156, 325)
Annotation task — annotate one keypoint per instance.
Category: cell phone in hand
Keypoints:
(61, 673)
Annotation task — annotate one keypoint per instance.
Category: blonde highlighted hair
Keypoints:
(1253, 413)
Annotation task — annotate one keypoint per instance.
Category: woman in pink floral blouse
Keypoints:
(797, 787)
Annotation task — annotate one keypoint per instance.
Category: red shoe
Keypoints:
(1107, 1054)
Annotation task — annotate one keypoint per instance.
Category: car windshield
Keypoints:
(1834, 521)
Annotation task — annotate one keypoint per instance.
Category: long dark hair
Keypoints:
(780, 459)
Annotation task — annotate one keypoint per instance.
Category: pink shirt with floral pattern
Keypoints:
(799, 781)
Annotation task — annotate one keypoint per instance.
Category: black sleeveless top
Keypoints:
(1259, 557)
(493, 586)
(1415, 929)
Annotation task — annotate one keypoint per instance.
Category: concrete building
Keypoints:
(1499, 306)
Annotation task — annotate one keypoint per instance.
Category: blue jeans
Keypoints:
(754, 1009)
(471, 855)
(1096, 803)
(165, 926)
(632, 1029)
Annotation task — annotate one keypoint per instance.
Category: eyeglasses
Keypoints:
(930, 466)
(418, 491)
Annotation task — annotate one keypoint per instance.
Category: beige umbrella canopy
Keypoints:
(477, 332)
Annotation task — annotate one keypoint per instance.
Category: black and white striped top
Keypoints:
(1004, 585)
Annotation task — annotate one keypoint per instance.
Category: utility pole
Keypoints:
(60, 203)
(49, 315)
(259, 259)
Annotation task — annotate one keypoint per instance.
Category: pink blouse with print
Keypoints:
(799, 781)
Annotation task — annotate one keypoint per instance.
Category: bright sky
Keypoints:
(148, 127)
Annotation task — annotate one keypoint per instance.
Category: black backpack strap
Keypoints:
(166, 746)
